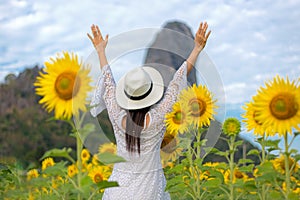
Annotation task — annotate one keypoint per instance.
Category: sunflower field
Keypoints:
(273, 112)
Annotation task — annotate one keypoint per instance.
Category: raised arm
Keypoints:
(200, 42)
(99, 44)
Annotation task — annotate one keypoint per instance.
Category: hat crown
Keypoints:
(137, 82)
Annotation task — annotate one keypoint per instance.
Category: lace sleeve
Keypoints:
(105, 96)
(178, 83)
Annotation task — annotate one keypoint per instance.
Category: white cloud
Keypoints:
(248, 37)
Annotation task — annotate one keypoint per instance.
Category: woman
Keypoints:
(136, 108)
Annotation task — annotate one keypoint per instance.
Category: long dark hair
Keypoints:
(134, 126)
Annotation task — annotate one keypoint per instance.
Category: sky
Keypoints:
(251, 41)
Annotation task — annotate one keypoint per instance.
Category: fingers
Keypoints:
(202, 28)
(207, 35)
(90, 37)
(94, 30)
(98, 31)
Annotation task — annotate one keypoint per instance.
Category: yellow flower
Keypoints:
(295, 185)
(95, 160)
(99, 173)
(250, 118)
(196, 173)
(57, 182)
(178, 119)
(85, 155)
(63, 85)
(33, 173)
(86, 166)
(48, 162)
(200, 103)
(278, 104)
(279, 164)
(169, 148)
(231, 126)
(72, 170)
(108, 147)
(237, 175)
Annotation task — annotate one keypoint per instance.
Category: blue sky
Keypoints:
(251, 41)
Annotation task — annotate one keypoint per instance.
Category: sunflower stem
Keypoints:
(79, 163)
(263, 152)
(263, 155)
(287, 168)
(231, 165)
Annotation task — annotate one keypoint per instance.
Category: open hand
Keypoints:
(97, 39)
(201, 36)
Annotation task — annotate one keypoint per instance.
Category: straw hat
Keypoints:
(139, 88)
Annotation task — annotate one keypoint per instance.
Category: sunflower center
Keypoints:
(66, 85)
(178, 117)
(168, 144)
(231, 127)
(110, 150)
(284, 106)
(197, 106)
(238, 174)
(98, 178)
(282, 164)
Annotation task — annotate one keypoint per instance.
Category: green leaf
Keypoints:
(56, 170)
(293, 196)
(297, 157)
(272, 143)
(64, 153)
(86, 130)
(273, 194)
(215, 182)
(244, 161)
(253, 152)
(221, 153)
(210, 150)
(107, 184)
(296, 134)
(174, 181)
(109, 158)
(293, 151)
(238, 143)
(247, 169)
(86, 181)
(265, 167)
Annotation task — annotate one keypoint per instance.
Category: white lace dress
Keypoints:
(141, 177)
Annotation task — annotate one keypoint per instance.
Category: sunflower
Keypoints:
(33, 173)
(250, 118)
(178, 120)
(95, 160)
(278, 105)
(279, 164)
(169, 148)
(108, 147)
(63, 85)
(99, 173)
(295, 185)
(231, 126)
(48, 162)
(200, 103)
(238, 175)
(85, 155)
(72, 170)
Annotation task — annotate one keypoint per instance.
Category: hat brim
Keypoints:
(154, 96)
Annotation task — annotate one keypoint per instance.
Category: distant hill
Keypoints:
(25, 133)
